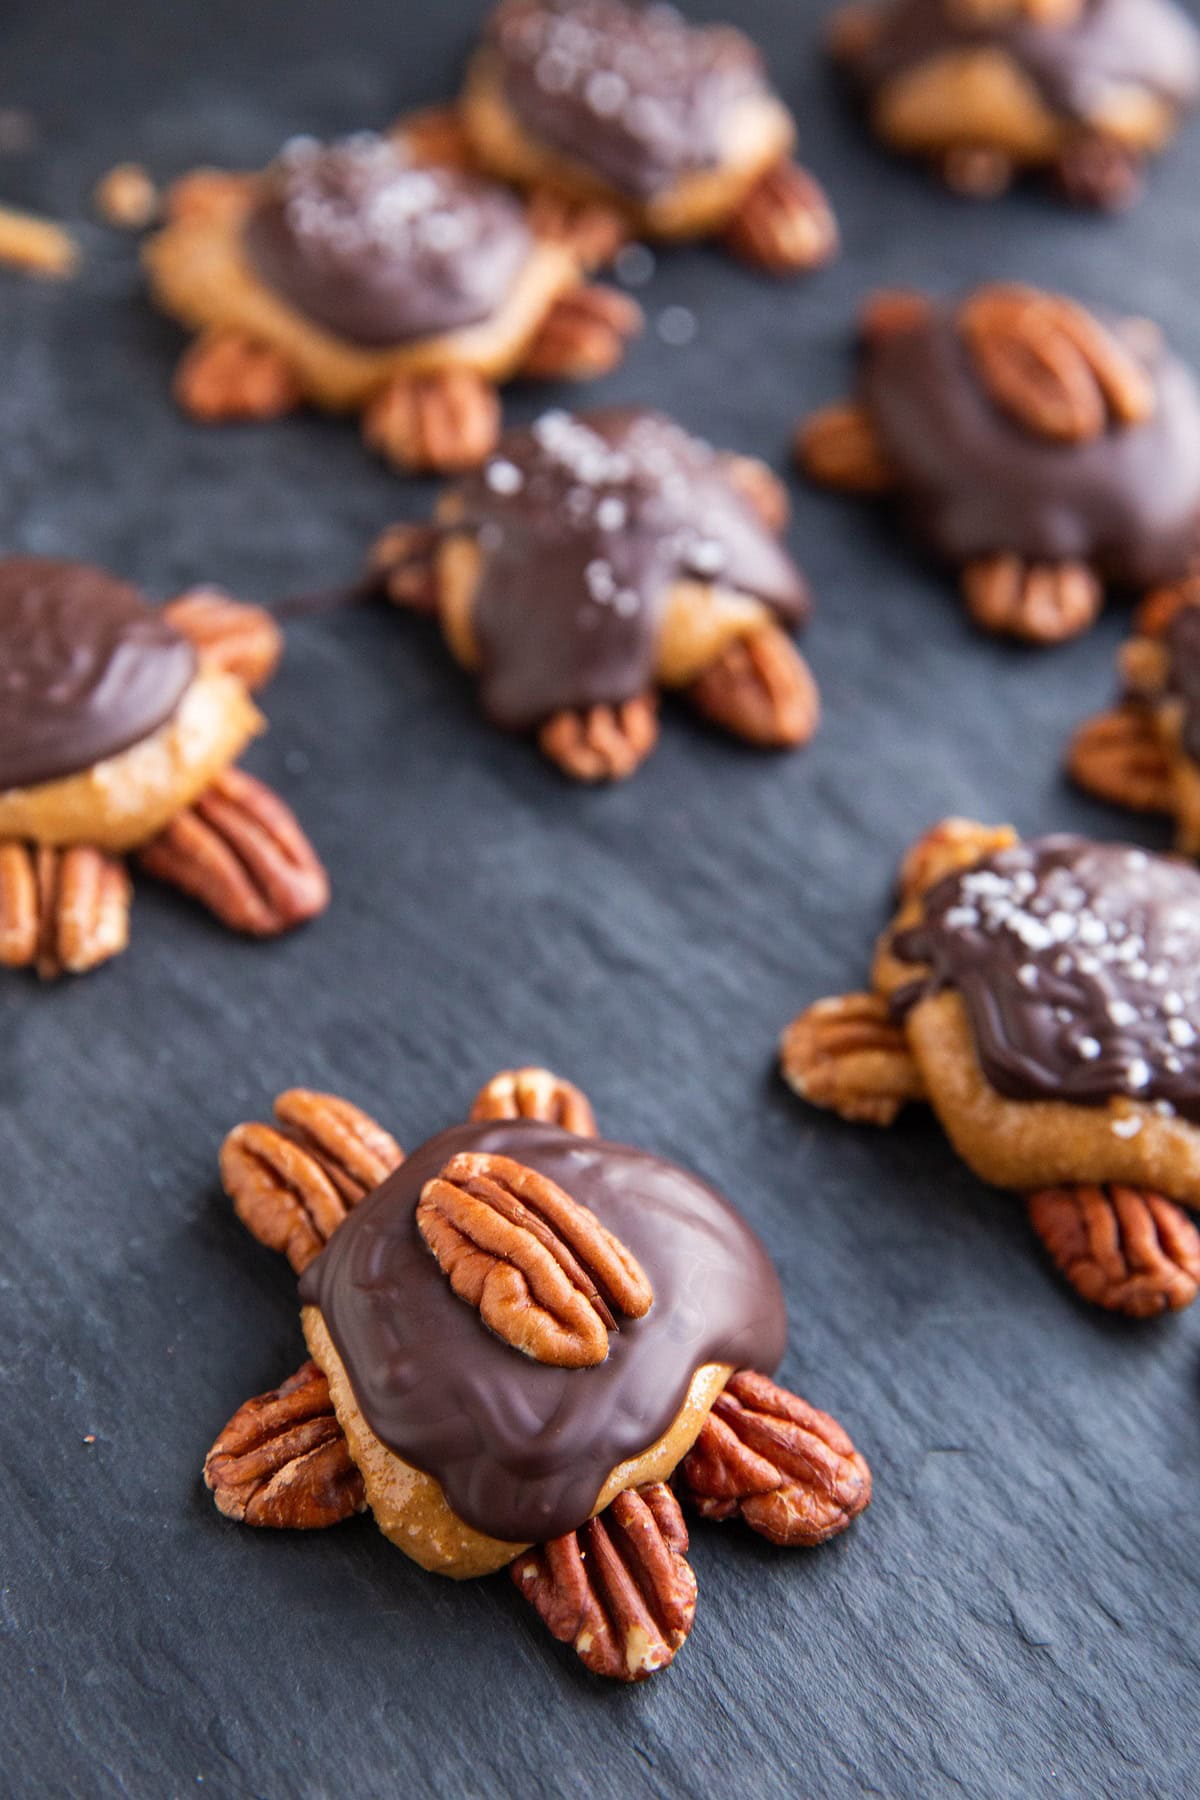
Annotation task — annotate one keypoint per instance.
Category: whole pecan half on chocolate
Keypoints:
(544, 1273)
(768, 1457)
(620, 1588)
(240, 851)
(1119, 756)
(293, 1184)
(602, 743)
(785, 224)
(62, 911)
(583, 336)
(283, 1461)
(1123, 1248)
(535, 1094)
(243, 640)
(849, 1055)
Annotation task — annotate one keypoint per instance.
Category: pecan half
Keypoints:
(535, 1094)
(619, 1589)
(444, 423)
(761, 489)
(840, 447)
(1155, 613)
(768, 1457)
(224, 376)
(852, 31)
(761, 689)
(948, 846)
(293, 1185)
(983, 15)
(1122, 1248)
(241, 853)
(1096, 169)
(891, 311)
(436, 135)
(1119, 757)
(602, 743)
(1040, 603)
(847, 1054)
(594, 232)
(403, 561)
(1051, 366)
(283, 1461)
(584, 335)
(784, 224)
(61, 911)
(541, 1269)
(243, 640)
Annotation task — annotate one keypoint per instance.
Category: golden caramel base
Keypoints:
(126, 800)
(760, 134)
(409, 1506)
(200, 275)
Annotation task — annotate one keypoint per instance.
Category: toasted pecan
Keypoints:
(602, 743)
(840, 448)
(241, 639)
(583, 336)
(63, 911)
(1123, 1248)
(592, 230)
(435, 135)
(948, 846)
(620, 1589)
(1040, 603)
(890, 311)
(1162, 605)
(225, 376)
(444, 423)
(282, 1460)
(535, 1094)
(1119, 756)
(847, 1054)
(761, 689)
(785, 224)
(761, 489)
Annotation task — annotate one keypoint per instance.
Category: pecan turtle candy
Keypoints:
(374, 275)
(1084, 91)
(603, 107)
(120, 727)
(1044, 998)
(520, 1337)
(1042, 448)
(598, 557)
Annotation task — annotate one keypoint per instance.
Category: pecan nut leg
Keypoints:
(403, 561)
(948, 846)
(292, 1184)
(761, 690)
(444, 424)
(602, 743)
(785, 224)
(839, 447)
(435, 136)
(535, 1094)
(1118, 756)
(592, 231)
(1039, 603)
(584, 335)
(620, 1589)
(225, 377)
(1122, 1248)
(283, 1461)
(768, 1457)
(848, 1054)
(62, 911)
(243, 640)
(240, 851)
(761, 489)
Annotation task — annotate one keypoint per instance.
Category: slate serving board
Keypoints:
(1017, 1613)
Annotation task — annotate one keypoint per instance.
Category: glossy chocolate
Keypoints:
(379, 252)
(86, 669)
(974, 483)
(635, 93)
(1078, 68)
(1079, 966)
(585, 523)
(522, 1449)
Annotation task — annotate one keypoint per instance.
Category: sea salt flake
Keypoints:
(1128, 1127)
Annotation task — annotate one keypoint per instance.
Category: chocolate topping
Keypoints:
(522, 1449)
(1077, 68)
(585, 523)
(86, 669)
(1079, 966)
(634, 92)
(975, 483)
(366, 245)
(1183, 651)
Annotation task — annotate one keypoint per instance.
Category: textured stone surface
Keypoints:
(1016, 1615)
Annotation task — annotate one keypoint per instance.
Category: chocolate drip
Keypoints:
(1079, 966)
(86, 669)
(634, 92)
(378, 251)
(522, 1449)
(584, 524)
(1077, 68)
(974, 483)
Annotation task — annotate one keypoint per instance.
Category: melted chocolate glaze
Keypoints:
(585, 523)
(974, 483)
(1150, 44)
(360, 241)
(1079, 966)
(1183, 650)
(521, 1449)
(86, 669)
(634, 92)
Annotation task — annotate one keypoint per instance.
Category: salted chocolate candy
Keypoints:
(1043, 997)
(447, 1392)
(119, 729)
(1044, 449)
(596, 557)
(674, 126)
(1084, 90)
(377, 275)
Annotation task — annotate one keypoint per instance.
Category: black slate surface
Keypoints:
(1016, 1615)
